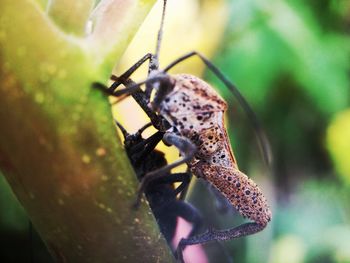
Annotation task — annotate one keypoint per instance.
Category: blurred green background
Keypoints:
(291, 60)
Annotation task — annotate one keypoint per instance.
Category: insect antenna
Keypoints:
(160, 32)
(154, 62)
(134, 86)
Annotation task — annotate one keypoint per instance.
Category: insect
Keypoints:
(161, 194)
(189, 113)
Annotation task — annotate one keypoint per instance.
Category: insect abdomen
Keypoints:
(241, 191)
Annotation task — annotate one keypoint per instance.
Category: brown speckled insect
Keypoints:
(190, 113)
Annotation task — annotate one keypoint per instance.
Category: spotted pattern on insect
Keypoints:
(241, 191)
(196, 110)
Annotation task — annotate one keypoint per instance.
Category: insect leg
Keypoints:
(140, 97)
(178, 207)
(168, 215)
(263, 141)
(123, 130)
(222, 204)
(187, 150)
(143, 100)
(133, 87)
(145, 147)
(187, 212)
(183, 178)
(190, 214)
(183, 193)
(138, 133)
(122, 79)
(119, 80)
(219, 235)
(136, 147)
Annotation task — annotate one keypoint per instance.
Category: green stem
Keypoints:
(71, 16)
(58, 145)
